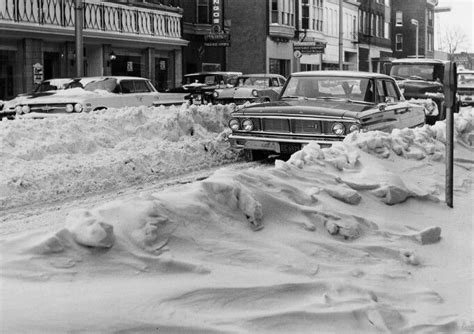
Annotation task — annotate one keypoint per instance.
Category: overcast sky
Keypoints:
(461, 15)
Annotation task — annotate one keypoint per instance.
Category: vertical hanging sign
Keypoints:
(216, 16)
(217, 36)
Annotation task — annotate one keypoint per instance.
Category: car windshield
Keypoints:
(261, 82)
(330, 87)
(466, 79)
(203, 79)
(429, 72)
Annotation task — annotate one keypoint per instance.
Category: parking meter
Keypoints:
(450, 84)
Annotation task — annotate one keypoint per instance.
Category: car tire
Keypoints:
(254, 155)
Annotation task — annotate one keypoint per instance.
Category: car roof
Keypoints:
(356, 74)
(418, 61)
(113, 77)
(215, 72)
(270, 75)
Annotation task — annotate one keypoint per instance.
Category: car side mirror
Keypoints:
(389, 99)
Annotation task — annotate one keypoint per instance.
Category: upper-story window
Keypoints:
(429, 15)
(316, 15)
(399, 42)
(399, 18)
(283, 12)
(203, 11)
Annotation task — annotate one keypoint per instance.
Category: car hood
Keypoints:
(420, 86)
(61, 96)
(309, 107)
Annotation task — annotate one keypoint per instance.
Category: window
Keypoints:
(283, 12)
(399, 18)
(141, 86)
(398, 42)
(280, 66)
(203, 11)
(316, 15)
(127, 86)
(430, 17)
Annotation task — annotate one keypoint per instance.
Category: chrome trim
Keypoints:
(315, 118)
(284, 140)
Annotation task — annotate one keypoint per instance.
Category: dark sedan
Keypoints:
(322, 106)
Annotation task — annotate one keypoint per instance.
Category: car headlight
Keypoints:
(338, 129)
(78, 107)
(254, 93)
(18, 109)
(354, 128)
(234, 124)
(247, 125)
(69, 107)
(215, 94)
(25, 109)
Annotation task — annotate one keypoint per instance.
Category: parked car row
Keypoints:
(69, 95)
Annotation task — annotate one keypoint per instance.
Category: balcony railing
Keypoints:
(107, 17)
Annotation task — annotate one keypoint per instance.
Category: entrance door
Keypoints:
(52, 65)
(161, 74)
(126, 66)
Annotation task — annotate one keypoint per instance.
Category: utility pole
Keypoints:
(79, 11)
(341, 52)
(415, 23)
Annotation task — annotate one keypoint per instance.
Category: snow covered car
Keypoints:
(251, 88)
(95, 93)
(466, 87)
(322, 106)
(200, 86)
(45, 88)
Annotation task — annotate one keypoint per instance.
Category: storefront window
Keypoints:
(280, 66)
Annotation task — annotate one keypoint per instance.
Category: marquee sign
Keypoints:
(217, 36)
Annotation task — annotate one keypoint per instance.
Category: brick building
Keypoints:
(122, 37)
(374, 34)
(404, 28)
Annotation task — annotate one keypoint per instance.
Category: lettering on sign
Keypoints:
(216, 16)
(309, 47)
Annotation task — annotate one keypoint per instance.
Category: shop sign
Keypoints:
(217, 39)
(216, 26)
(309, 47)
(37, 73)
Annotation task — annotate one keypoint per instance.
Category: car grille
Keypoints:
(275, 125)
(50, 108)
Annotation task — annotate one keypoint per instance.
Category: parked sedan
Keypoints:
(322, 106)
(95, 93)
(251, 88)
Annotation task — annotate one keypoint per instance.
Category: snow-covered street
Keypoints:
(99, 231)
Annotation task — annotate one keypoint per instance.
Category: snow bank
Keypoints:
(77, 154)
(352, 238)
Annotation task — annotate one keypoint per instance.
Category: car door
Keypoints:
(143, 94)
(407, 115)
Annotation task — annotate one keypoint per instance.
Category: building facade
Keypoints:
(407, 17)
(374, 35)
(119, 38)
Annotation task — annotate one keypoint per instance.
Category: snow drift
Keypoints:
(353, 238)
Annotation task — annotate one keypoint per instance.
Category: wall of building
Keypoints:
(248, 31)
(414, 9)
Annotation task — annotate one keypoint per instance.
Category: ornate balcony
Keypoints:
(101, 19)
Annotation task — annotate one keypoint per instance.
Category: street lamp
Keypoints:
(415, 23)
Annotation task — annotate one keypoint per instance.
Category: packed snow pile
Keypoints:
(354, 238)
(76, 154)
